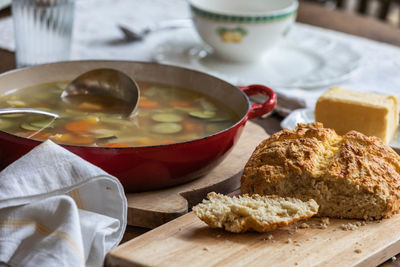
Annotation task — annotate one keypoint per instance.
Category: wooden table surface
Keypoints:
(310, 14)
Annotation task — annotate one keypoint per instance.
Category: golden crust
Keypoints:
(334, 166)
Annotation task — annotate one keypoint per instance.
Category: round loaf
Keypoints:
(350, 176)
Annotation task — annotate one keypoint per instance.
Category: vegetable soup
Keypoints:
(165, 115)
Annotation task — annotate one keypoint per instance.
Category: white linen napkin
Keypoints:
(57, 209)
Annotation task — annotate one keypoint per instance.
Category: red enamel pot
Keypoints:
(149, 167)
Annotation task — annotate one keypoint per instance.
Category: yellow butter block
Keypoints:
(368, 113)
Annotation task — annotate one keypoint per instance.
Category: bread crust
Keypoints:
(338, 167)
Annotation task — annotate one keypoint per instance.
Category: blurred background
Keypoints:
(385, 10)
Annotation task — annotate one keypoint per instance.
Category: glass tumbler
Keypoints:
(42, 30)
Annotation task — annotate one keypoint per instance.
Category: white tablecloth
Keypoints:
(96, 36)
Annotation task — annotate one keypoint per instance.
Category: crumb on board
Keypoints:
(270, 237)
(394, 258)
(289, 241)
(325, 220)
(206, 249)
(218, 236)
(357, 250)
(351, 226)
(304, 226)
(324, 223)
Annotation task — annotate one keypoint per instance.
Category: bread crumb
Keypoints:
(296, 263)
(289, 241)
(304, 226)
(394, 258)
(325, 220)
(218, 236)
(350, 226)
(358, 250)
(206, 249)
(322, 226)
(324, 223)
(270, 237)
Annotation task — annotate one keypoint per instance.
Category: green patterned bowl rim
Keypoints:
(257, 18)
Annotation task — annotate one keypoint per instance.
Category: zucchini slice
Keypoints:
(205, 114)
(106, 137)
(27, 126)
(15, 115)
(4, 124)
(167, 117)
(166, 128)
(49, 123)
(219, 119)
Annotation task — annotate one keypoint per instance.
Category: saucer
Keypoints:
(302, 60)
(306, 115)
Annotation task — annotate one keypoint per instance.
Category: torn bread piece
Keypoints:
(257, 213)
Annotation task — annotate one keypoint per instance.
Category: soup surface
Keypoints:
(165, 115)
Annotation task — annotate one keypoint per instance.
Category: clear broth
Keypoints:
(165, 115)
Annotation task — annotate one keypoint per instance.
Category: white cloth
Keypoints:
(56, 209)
(96, 36)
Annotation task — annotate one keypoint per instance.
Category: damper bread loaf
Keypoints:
(349, 176)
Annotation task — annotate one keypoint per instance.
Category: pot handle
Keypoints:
(257, 110)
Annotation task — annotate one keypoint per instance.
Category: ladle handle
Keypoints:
(257, 110)
(5, 111)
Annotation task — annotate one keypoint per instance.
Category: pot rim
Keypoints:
(243, 118)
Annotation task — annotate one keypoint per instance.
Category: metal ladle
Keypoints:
(105, 82)
(108, 82)
(5, 111)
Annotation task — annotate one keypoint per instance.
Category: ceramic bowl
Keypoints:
(243, 31)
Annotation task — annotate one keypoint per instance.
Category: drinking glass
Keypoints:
(42, 30)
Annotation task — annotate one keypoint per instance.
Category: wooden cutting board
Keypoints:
(154, 208)
(187, 241)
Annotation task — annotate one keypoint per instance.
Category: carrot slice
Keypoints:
(192, 127)
(147, 104)
(73, 139)
(62, 137)
(41, 136)
(77, 126)
(180, 103)
(90, 106)
(116, 145)
(82, 126)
